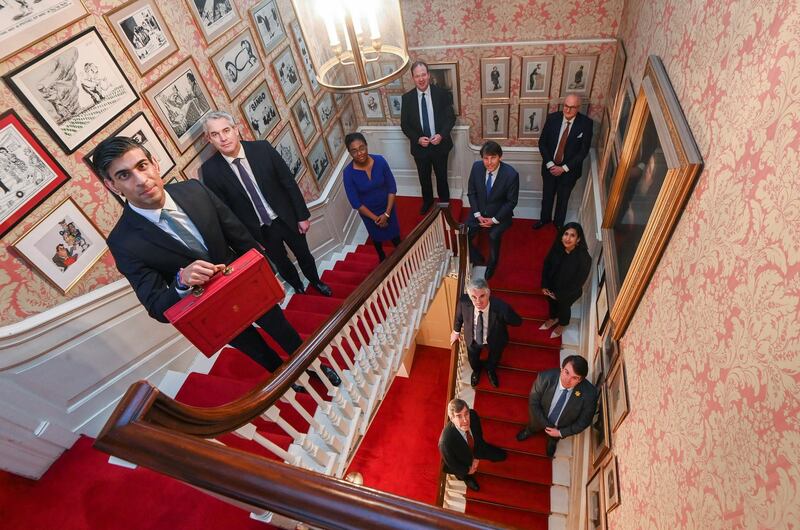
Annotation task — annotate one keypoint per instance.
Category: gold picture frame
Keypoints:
(214, 24)
(238, 63)
(531, 119)
(577, 76)
(611, 484)
(659, 165)
(22, 30)
(495, 77)
(595, 505)
(617, 394)
(494, 120)
(55, 245)
(445, 75)
(536, 76)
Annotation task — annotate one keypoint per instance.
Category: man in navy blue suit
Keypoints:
(564, 144)
(493, 191)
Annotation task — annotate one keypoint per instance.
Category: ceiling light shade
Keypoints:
(354, 44)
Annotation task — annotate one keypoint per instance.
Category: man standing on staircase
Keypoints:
(561, 403)
(172, 238)
(487, 319)
(252, 179)
(462, 445)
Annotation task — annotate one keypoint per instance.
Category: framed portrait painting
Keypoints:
(445, 75)
(319, 161)
(286, 145)
(213, 17)
(325, 110)
(140, 129)
(305, 121)
(238, 63)
(269, 26)
(601, 307)
(395, 103)
(609, 350)
(28, 174)
(537, 73)
(496, 77)
(531, 120)
(617, 395)
(142, 32)
(348, 118)
(74, 89)
(305, 56)
(626, 98)
(260, 111)
(495, 120)
(27, 22)
(611, 484)
(578, 75)
(599, 433)
(595, 509)
(180, 99)
(286, 71)
(63, 245)
(371, 105)
(335, 140)
(192, 169)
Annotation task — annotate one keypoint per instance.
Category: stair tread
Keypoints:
(504, 434)
(525, 304)
(527, 357)
(502, 407)
(516, 382)
(343, 277)
(521, 466)
(512, 493)
(529, 333)
(509, 516)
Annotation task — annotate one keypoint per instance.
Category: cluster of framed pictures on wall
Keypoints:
(77, 88)
(535, 94)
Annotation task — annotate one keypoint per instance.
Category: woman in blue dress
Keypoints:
(371, 189)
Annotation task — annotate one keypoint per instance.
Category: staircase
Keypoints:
(527, 490)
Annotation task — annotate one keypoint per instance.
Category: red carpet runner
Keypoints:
(516, 492)
(82, 491)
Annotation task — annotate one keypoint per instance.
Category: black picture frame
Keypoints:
(64, 96)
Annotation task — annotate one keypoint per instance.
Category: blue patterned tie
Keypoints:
(426, 125)
(488, 184)
(247, 180)
(562, 399)
(185, 235)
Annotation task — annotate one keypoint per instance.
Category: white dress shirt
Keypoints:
(246, 164)
(429, 104)
(564, 123)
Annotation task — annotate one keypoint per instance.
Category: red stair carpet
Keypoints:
(516, 492)
(83, 491)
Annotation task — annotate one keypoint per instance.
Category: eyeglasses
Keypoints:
(361, 149)
(572, 107)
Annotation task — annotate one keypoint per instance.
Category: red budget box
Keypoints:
(214, 314)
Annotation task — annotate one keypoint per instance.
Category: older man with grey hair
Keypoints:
(253, 180)
(485, 320)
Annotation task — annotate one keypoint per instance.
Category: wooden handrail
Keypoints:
(247, 478)
(455, 349)
(211, 422)
(152, 430)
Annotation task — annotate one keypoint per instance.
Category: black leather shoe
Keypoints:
(300, 389)
(298, 290)
(332, 376)
(472, 484)
(493, 378)
(323, 289)
(426, 206)
(524, 434)
(538, 224)
(475, 379)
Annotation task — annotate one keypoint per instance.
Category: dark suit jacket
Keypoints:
(455, 452)
(577, 413)
(443, 116)
(505, 192)
(274, 180)
(150, 258)
(578, 142)
(501, 315)
(565, 274)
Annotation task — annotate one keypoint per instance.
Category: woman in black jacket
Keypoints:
(566, 268)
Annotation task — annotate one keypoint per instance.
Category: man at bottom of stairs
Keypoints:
(462, 445)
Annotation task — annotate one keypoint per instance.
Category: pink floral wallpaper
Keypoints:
(713, 352)
(23, 292)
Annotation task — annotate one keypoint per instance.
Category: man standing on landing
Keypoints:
(561, 402)
(426, 119)
(252, 179)
(564, 144)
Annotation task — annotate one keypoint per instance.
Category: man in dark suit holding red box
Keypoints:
(172, 238)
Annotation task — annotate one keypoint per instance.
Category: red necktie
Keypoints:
(562, 144)
(470, 441)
